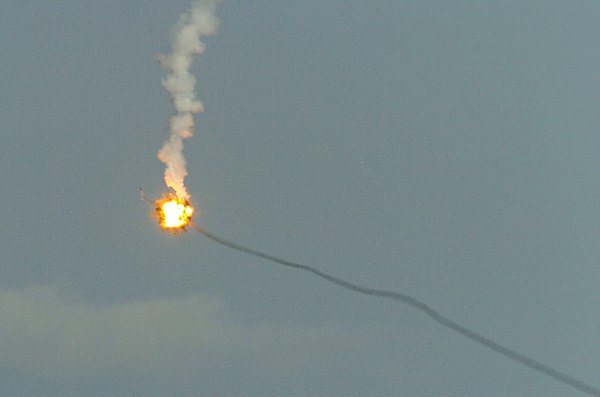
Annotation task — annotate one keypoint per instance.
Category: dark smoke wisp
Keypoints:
(417, 304)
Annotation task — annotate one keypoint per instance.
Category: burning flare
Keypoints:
(173, 213)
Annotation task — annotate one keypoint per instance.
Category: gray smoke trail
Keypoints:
(417, 304)
(199, 21)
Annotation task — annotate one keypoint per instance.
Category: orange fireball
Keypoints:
(174, 214)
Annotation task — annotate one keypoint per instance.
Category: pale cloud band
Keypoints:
(48, 332)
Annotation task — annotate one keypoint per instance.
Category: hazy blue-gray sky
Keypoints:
(447, 150)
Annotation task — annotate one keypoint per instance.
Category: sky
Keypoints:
(445, 150)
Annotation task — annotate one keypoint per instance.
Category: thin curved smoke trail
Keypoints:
(417, 304)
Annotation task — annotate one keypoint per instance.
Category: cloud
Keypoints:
(47, 332)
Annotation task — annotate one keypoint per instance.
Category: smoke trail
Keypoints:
(417, 304)
(199, 21)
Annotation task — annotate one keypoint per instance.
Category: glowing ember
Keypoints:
(173, 213)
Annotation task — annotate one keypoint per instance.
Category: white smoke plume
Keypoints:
(199, 21)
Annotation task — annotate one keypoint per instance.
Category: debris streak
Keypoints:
(423, 307)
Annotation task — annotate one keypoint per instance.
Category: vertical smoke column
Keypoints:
(192, 25)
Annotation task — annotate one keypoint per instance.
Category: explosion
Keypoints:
(173, 213)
